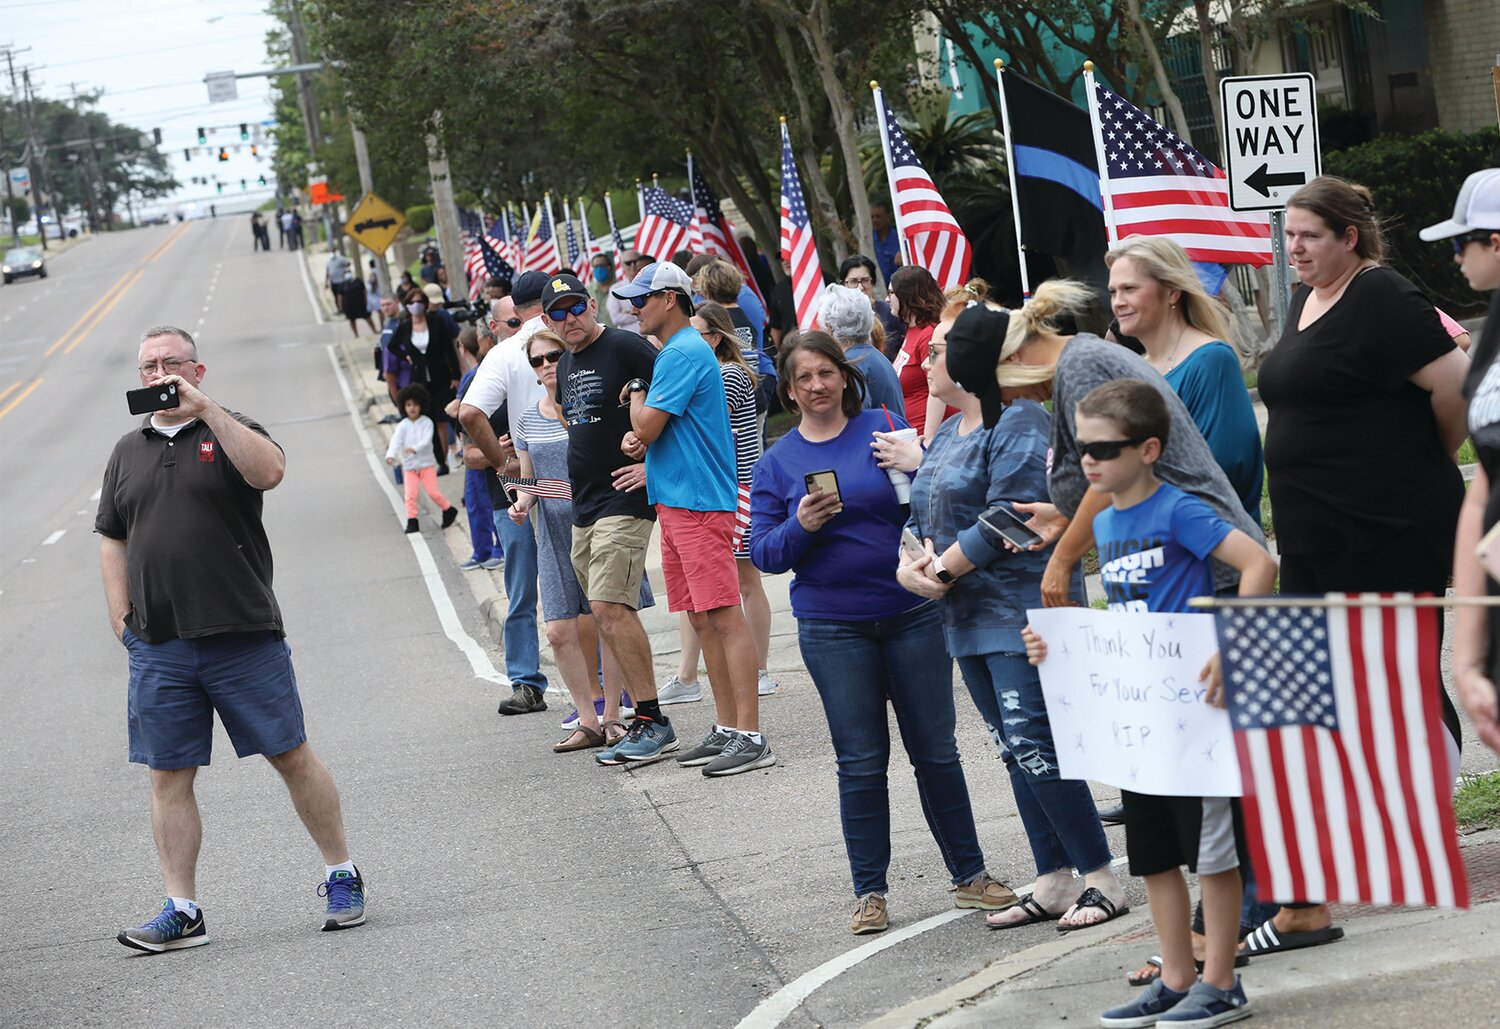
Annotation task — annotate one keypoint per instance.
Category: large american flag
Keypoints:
(1343, 754)
(666, 224)
(471, 227)
(495, 266)
(717, 230)
(1161, 186)
(797, 244)
(933, 236)
(541, 247)
(578, 261)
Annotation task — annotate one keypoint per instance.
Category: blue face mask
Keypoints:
(601, 274)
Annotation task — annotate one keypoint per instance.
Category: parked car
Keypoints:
(23, 261)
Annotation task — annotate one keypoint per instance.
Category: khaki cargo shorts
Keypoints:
(609, 558)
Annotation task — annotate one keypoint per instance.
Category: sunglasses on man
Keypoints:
(1480, 236)
(1109, 449)
(551, 357)
(560, 314)
(639, 302)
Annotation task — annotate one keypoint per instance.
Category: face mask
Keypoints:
(416, 309)
(601, 275)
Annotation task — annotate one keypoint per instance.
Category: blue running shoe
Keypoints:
(1147, 1008)
(647, 741)
(169, 930)
(1206, 1006)
(346, 901)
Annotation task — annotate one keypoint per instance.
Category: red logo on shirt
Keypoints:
(206, 450)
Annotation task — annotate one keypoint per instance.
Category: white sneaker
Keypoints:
(675, 691)
(767, 685)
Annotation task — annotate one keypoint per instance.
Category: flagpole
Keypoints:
(556, 242)
(1104, 188)
(890, 171)
(640, 201)
(695, 225)
(1371, 600)
(583, 225)
(1010, 168)
(609, 212)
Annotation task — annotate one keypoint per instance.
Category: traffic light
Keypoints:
(156, 135)
(187, 155)
(223, 153)
(244, 131)
(244, 184)
(254, 150)
(219, 186)
(202, 136)
(261, 180)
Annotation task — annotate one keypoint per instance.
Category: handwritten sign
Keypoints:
(1126, 705)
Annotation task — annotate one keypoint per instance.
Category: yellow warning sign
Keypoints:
(374, 223)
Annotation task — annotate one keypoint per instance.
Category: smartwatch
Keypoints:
(943, 575)
(637, 386)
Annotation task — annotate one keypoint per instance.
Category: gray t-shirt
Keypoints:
(1187, 463)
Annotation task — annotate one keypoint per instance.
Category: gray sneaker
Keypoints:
(675, 691)
(712, 746)
(741, 755)
(765, 685)
(523, 700)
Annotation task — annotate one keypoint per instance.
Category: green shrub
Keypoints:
(1415, 180)
(419, 218)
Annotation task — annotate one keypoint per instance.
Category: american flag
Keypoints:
(495, 265)
(614, 232)
(665, 225)
(541, 247)
(506, 232)
(797, 244)
(1161, 186)
(933, 236)
(1342, 750)
(578, 261)
(471, 225)
(557, 489)
(717, 230)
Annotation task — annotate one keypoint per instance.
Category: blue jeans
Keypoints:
(857, 667)
(1058, 814)
(481, 516)
(523, 656)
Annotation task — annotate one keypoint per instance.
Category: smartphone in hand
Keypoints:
(152, 398)
(826, 481)
(912, 545)
(1008, 525)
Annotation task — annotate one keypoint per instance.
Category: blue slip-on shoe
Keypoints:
(346, 901)
(169, 930)
(1147, 1008)
(647, 741)
(1206, 1006)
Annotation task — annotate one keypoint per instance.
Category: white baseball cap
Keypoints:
(1477, 208)
(655, 278)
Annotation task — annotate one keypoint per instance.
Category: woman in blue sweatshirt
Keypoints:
(864, 639)
(992, 454)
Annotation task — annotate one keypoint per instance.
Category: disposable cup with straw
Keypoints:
(899, 479)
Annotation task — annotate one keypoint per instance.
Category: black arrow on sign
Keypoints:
(385, 223)
(1261, 180)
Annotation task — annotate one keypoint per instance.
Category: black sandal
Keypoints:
(1092, 898)
(1034, 913)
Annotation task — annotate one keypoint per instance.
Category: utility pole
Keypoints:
(367, 186)
(39, 151)
(10, 196)
(307, 99)
(445, 209)
(91, 159)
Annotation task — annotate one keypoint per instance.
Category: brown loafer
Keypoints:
(581, 738)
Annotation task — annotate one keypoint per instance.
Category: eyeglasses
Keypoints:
(1483, 236)
(560, 314)
(859, 283)
(635, 261)
(1109, 449)
(168, 365)
(551, 357)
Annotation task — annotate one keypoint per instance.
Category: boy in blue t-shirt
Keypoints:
(1154, 546)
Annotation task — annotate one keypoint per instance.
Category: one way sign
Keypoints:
(1270, 138)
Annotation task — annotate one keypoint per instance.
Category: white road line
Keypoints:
(56, 535)
(443, 604)
(312, 298)
(776, 1008)
(97, 493)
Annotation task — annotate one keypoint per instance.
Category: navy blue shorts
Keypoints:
(177, 685)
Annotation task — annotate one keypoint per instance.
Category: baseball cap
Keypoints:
(974, 343)
(434, 293)
(527, 289)
(1477, 207)
(654, 278)
(561, 287)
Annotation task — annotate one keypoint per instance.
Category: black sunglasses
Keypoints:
(1109, 449)
(514, 323)
(1480, 236)
(560, 314)
(640, 302)
(551, 357)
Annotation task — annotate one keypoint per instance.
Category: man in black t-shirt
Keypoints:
(187, 578)
(611, 517)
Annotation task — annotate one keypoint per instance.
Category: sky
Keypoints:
(149, 57)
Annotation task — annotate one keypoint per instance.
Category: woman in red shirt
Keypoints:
(917, 300)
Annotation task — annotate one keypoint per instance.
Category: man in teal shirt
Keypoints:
(681, 424)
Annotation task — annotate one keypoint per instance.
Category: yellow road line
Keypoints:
(136, 277)
(163, 248)
(8, 408)
(86, 316)
(9, 390)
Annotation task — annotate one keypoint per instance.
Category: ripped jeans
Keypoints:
(1061, 821)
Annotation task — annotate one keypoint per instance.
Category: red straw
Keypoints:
(888, 419)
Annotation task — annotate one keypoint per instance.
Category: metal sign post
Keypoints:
(1279, 264)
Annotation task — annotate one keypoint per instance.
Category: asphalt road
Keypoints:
(508, 886)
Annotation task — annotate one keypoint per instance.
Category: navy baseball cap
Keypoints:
(655, 278)
(560, 287)
(527, 289)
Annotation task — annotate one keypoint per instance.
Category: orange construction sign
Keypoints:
(318, 192)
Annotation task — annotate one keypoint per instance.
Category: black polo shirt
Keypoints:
(197, 559)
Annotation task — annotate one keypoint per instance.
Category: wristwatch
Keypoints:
(943, 575)
(637, 386)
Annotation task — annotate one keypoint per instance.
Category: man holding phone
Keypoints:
(203, 629)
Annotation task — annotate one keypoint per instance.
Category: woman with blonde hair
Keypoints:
(1156, 297)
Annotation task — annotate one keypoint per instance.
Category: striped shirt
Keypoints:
(739, 390)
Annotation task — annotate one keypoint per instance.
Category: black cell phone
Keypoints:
(827, 481)
(1006, 524)
(152, 398)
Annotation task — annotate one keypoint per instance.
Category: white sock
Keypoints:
(754, 737)
(184, 905)
(723, 729)
(347, 866)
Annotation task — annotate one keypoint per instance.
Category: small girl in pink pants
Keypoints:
(412, 443)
